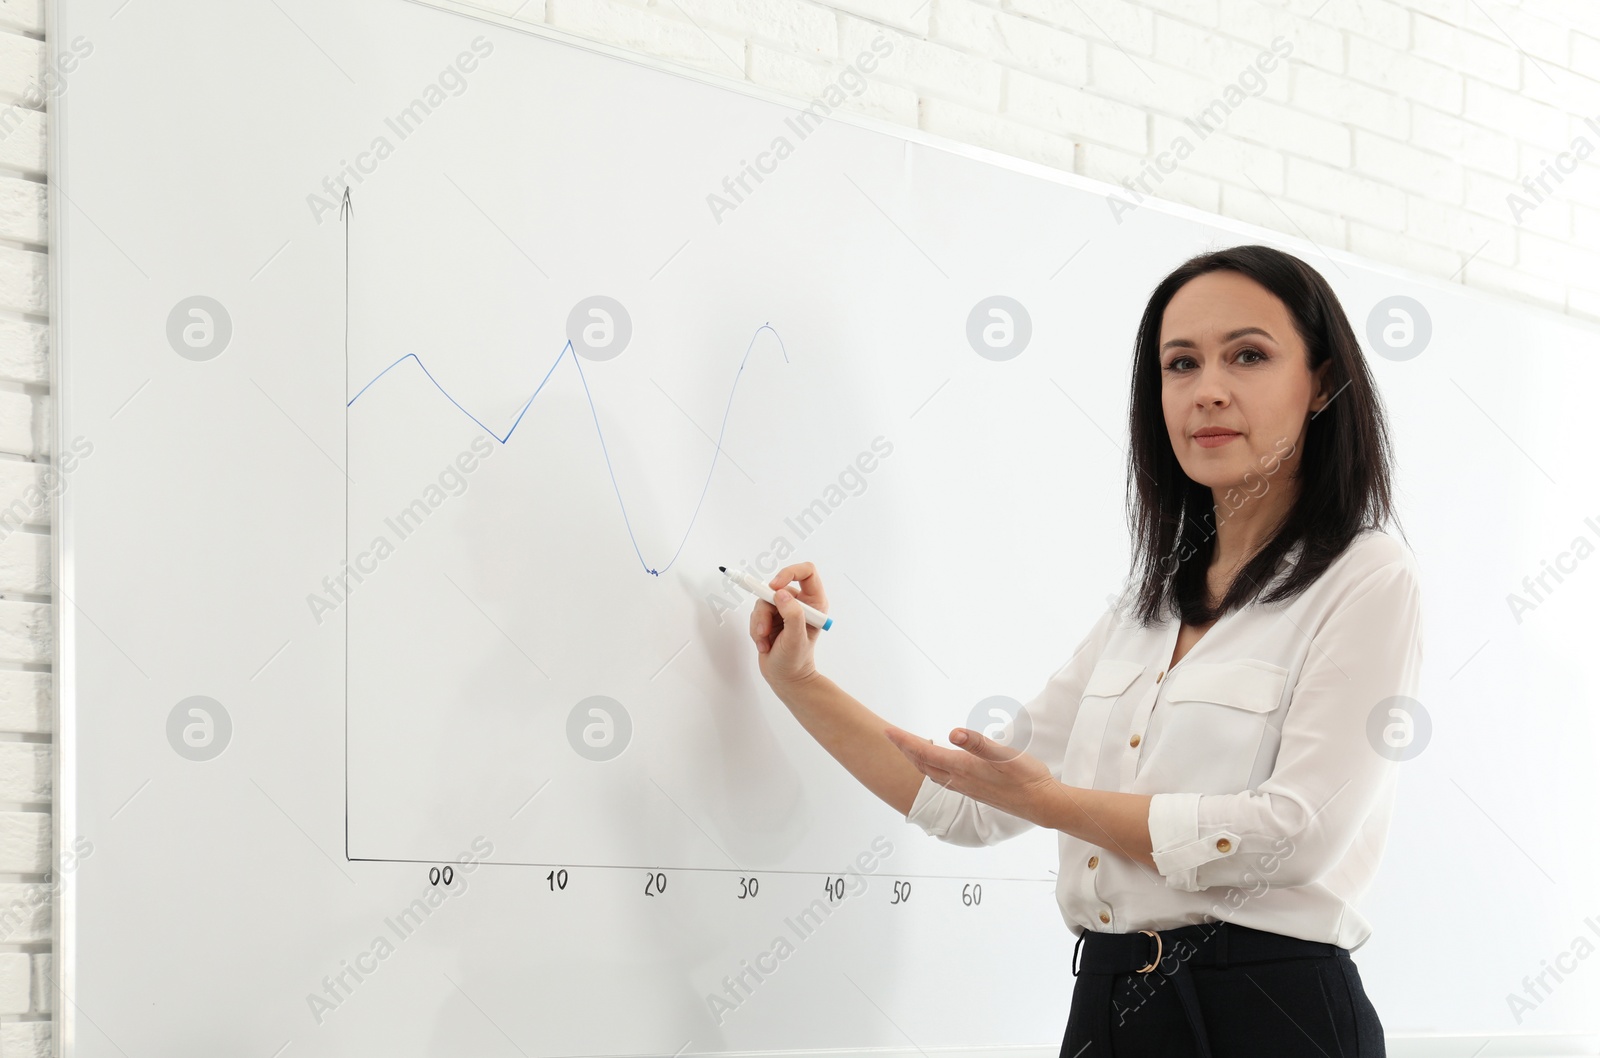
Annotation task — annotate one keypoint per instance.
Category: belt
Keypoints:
(1172, 952)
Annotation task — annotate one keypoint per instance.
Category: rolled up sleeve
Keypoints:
(961, 820)
(1329, 774)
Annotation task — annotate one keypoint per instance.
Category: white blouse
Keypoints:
(1266, 749)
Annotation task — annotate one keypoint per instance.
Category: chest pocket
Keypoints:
(1212, 719)
(1111, 677)
(1254, 686)
(1107, 681)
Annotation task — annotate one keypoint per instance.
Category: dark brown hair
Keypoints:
(1344, 472)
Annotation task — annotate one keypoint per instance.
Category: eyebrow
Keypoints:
(1185, 343)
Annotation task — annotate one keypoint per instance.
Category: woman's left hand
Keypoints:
(982, 768)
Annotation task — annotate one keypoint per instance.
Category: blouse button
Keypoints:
(1134, 741)
(1223, 844)
(1160, 674)
(1104, 917)
(1094, 861)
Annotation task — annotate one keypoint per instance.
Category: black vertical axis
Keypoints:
(346, 211)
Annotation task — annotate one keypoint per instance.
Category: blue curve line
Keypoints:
(576, 362)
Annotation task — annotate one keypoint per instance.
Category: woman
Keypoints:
(1219, 753)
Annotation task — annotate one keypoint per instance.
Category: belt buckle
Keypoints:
(1157, 961)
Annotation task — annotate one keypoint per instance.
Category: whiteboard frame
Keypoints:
(63, 686)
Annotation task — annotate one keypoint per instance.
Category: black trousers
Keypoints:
(1249, 1006)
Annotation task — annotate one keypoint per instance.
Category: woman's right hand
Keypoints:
(782, 636)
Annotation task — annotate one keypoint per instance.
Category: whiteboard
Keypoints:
(542, 682)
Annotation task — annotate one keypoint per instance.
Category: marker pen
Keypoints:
(814, 616)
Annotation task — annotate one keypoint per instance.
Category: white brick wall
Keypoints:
(25, 576)
(1395, 129)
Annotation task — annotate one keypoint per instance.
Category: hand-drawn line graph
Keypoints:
(503, 438)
